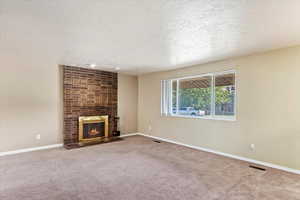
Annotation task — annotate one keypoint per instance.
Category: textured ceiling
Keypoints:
(141, 36)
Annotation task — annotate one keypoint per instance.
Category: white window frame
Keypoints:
(169, 88)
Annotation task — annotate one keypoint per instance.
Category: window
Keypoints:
(204, 96)
(224, 94)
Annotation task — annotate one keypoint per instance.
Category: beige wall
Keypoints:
(30, 104)
(268, 109)
(127, 103)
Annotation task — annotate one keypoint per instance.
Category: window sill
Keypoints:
(220, 118)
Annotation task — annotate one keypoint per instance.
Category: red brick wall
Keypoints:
(88, 92)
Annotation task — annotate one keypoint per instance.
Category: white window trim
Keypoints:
(209, 117)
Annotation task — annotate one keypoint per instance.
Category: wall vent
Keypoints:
(258, 168)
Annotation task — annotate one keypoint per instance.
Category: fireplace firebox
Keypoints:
(93, 128)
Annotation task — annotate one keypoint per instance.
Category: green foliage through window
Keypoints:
(198, 96)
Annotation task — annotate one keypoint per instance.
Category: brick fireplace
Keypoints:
(88, 93)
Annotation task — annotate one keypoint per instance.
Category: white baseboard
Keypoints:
(30, 149)
(295, 171)
(129, 134)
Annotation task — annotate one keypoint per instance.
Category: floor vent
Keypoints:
(258, 168)
(156, 141)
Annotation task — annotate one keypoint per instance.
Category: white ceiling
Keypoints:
(141, 36)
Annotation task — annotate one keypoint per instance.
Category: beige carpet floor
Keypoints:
(138, 169)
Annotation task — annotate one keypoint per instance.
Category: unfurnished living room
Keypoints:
(149, 100)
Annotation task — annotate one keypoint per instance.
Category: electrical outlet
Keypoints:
(252, 147)
(38, 137)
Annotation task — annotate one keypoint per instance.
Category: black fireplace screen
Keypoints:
(93, 130)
